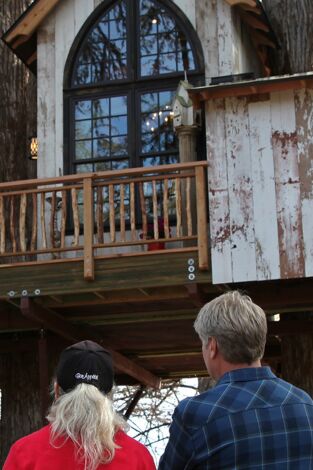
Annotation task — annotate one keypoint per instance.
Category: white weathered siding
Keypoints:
(269, 193)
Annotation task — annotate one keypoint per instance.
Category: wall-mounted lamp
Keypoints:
(33, 148)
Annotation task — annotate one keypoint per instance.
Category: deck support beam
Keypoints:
(50, 320)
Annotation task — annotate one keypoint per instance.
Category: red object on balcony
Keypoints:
(156, 246)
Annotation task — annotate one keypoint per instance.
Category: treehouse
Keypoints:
(171, 167)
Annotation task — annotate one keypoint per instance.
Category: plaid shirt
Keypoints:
(250, 420)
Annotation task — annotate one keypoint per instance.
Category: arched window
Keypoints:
(120, 79)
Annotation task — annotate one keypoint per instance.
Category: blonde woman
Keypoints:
(84, 431)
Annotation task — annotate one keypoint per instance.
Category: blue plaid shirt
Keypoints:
(250, 420)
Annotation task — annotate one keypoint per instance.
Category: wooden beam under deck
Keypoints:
(59, 325)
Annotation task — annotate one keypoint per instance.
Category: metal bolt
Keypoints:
(191, 277)
(24, 293)
(11, 293)
(37, 292)
(191, 269)
(191, 262)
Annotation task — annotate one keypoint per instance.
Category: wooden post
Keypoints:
(89, 269)
(43, 375)
(202, 228)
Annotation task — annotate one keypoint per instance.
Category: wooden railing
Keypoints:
(47, 219)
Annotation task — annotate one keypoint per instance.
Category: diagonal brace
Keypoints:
(50, 320)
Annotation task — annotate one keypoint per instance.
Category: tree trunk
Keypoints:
(292, 21)
(20, 403)
(19, 379)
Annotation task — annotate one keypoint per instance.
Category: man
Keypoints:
(251, 419)
(84, 431)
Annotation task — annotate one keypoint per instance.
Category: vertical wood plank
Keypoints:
(304, 120)
(122, 213)
(143, 211)
(63, 217)
(264, 193)
(46, 88)
(112, 213)
(12, 219)
(43, 220)
(89, 271)
(207, 30)
(99, 214)
(64, 37)
(285, 153)
(75, 216)
(53, 219)
(2, 226)
(35, 222)
(22, 222)
(82, 8)
(178, 207)
(165, 209)
(155, 210)
(132, 211)
(203, 244)
(225, 38)
(188, 207)
(240, 190)
(220, 234)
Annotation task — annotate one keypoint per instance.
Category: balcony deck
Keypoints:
(76, 263)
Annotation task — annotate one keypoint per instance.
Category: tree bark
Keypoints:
(292, 22)
(19, 377)
(20, 403)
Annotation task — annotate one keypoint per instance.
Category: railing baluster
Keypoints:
(2, 226)
(155, 210)
(203, 244)
(63, 217)
(99, 214)
(112, 212)
(89, 273)
(143, 211)
(43, 220)
(75, 216)
(178, 208)
(12, 232)
(22, 222)
(34, 222)
(188, 207)
(52, 219)
(132, 211)
(122, 212)
(165, 209)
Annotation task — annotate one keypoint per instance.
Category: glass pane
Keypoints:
(119, 125)
(101, 148)
(82, 129)
(120, 165)
(118, 105)
(82, 110)
(101, 107)
(157, 133)
(119, 146)
(103, 166)
(102, 56)
(86, 168)
(164, 47)
(101, 127)
(83, 149)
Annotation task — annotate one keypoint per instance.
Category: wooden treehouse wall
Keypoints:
(226, 47)
(260, 152)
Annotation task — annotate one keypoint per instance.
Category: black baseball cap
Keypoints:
(85, 362)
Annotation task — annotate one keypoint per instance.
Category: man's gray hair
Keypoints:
(238, 325)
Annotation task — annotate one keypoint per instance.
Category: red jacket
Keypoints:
(34, 452)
